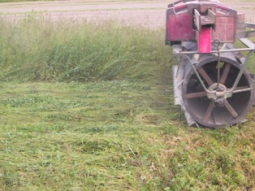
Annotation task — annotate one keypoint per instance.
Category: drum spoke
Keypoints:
(225, 73)
(205, 76)
(231, 110)
(195, 95)
(208, 112)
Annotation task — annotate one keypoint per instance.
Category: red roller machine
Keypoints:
(211, 82)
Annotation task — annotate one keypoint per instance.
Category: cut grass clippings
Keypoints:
(114, 135)
(89, 106)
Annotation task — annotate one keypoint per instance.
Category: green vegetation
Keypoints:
(89, 107)
(41, 50)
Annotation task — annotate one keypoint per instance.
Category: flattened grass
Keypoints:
(114, 135)
(84, 136)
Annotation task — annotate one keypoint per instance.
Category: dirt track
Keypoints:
(149, 13)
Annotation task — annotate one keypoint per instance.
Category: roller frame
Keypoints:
(177, 51)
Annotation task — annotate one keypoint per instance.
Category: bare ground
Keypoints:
(149, 13)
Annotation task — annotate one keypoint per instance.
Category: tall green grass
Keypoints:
(42, 50)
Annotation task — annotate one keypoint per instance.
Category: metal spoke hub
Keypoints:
(218, 92)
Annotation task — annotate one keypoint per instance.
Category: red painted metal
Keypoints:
(180, 21)
(180, 27)
(205, 40)
(225, 29)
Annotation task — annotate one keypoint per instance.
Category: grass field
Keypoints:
(89, 107)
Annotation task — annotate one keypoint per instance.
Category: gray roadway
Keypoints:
(149, 13)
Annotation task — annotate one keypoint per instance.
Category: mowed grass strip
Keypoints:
(90, 107)
(92, 136)
(114, 135)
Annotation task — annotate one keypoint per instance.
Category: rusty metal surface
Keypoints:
(196, 95)
(205, 76)
(209, 111)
